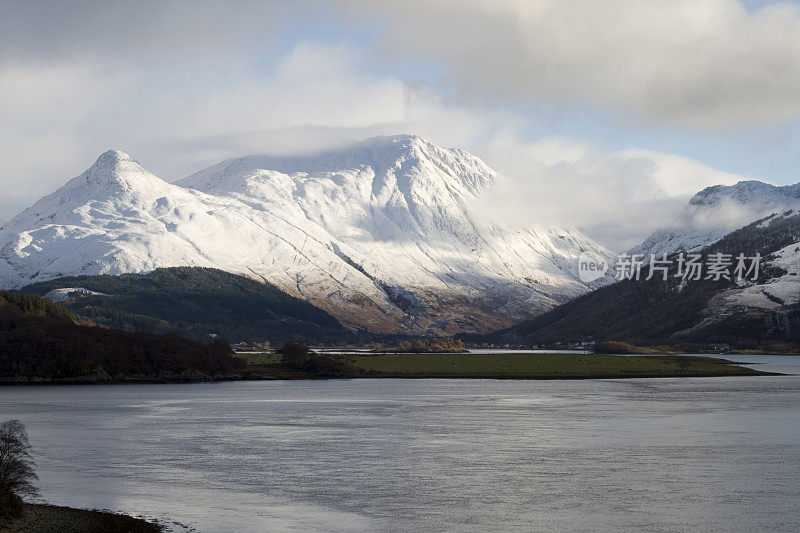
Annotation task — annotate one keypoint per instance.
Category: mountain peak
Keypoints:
(402, 158)
(116, 169)
(114, 156)
(111, 162)
(718, 210)
(401, 139)
(114, 177)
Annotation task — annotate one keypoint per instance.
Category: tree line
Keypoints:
(39, 339)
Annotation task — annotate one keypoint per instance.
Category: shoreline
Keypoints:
(46, 518)
(544, 377)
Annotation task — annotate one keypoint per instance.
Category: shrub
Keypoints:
(301, 357)
(444, 345)
(10, 506)
(294, 349)
(615, 347)
(16, 468)
(328, 367)
(294, 353)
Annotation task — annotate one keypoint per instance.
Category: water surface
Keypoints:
(700, 454)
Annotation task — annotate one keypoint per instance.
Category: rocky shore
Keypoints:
(41, 518)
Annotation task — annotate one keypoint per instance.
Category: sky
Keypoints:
(606, 116)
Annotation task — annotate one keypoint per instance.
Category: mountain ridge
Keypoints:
(746, 191)
(383, 235)
(748, 314)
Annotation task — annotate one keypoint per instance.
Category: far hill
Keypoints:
(764, 314)
(198, 303)
(41, 341)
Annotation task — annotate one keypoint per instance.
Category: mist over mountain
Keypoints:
(383, 235)
(749, 218)
(716, 211)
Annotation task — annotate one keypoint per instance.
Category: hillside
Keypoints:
(745, 315)
(42, 341)
(195, 303)
(384, 235)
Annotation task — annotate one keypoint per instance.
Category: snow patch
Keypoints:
(68, 293)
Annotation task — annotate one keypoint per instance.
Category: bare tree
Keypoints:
(16, 464)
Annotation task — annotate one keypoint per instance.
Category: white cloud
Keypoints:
(615, 197)
(703, 64)
(190, 31)
(320, 97)
(184, 99)
(312, 85)
(58, 117)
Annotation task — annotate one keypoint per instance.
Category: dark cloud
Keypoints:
(50, 31)
(708, 65)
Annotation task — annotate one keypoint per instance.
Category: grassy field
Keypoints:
(539, 366)
(264, 358)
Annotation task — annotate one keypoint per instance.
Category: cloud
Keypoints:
(729, 214)
(320, 97)
(312, 84)
(194, 31)
(708, 65)
(58, 117)
(182, 88)
(617, 197)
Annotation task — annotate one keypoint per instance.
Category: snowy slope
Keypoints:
(382, 234)
(67, 293)
(715, 211)
(780, 289)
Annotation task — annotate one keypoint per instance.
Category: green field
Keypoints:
(262, 358)
(539, 366)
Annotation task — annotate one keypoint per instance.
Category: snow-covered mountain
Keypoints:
(382, 234)
(716, 211)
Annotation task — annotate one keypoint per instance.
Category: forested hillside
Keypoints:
(41, 340)
(676, 311)
(197, 303)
